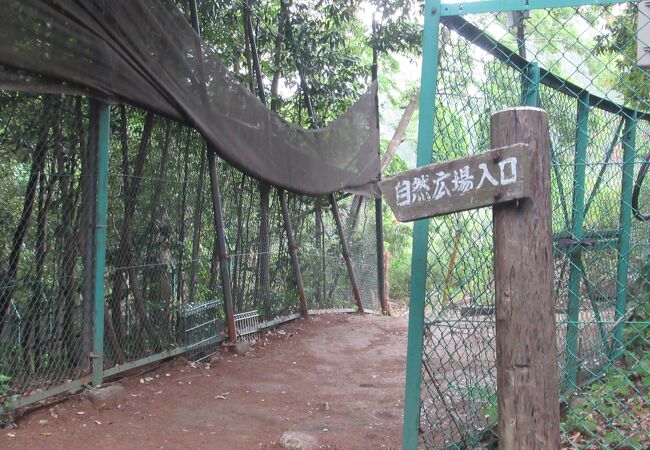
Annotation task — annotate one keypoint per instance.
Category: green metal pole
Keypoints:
(100, 242)
(531, 93)
(578, 218)
(625, 223)
(421, 229)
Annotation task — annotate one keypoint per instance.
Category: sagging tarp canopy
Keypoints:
(146, 54)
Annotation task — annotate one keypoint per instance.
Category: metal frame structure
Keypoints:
(434, 11)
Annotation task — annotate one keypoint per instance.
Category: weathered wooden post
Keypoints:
(293, 252)
(527, 378)
(346, 252)
(513, 178)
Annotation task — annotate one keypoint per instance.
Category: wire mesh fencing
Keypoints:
(46, 273)
(597, 100)
(163, 282)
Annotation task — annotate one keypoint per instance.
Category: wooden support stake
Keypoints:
(346, 252)
(527, 378)
(292, 251)
(224, 263)
(221, 246)
(381, 270)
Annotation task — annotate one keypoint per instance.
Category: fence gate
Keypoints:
(578, 61)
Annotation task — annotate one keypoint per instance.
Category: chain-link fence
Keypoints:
(163, 284)
(46, 308)
(579, 64)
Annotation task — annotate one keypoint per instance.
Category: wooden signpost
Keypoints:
(485, 179)
(518, 169)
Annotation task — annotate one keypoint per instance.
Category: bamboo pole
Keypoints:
(346, 252)
(292, 251)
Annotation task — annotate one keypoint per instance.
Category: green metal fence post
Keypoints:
(578, 218)
(421, 228)
(625, 223)
(100, 242)
(531, 92)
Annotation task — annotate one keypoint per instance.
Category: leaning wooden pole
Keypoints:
(224, 262)
(381, 269)
(293, 252)
(527, 375)
(346, 252)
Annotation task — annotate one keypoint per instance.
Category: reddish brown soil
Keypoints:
(354, 364)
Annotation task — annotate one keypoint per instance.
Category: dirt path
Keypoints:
(339, 378)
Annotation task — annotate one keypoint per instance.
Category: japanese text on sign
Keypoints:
(424, 188)
(484, 179)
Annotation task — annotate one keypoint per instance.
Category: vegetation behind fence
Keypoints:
(163, 283)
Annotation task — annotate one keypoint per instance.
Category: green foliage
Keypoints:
(5, 389)
(619, 43)
(397, 26)
(606, 413)
(397, 242)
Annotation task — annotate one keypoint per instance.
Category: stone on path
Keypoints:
(106, 397)
(241, 348)
(296, 440)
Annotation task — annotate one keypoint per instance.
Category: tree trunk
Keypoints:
(301, 73)
(124, 256)
(264, 256)
(277, 58)
(69, 198)
(32, 335)
(38, 160)
(264, 251)
(141, 310)
(239, 267)
(320, 242)
(196, 239)
(255, 57)
(119, 292)
(157, 248)
(180, 287)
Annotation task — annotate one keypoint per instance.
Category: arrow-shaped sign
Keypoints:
(495, 176)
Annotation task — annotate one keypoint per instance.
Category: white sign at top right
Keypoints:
(643, 35)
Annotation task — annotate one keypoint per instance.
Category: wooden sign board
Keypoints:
(495, 176)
